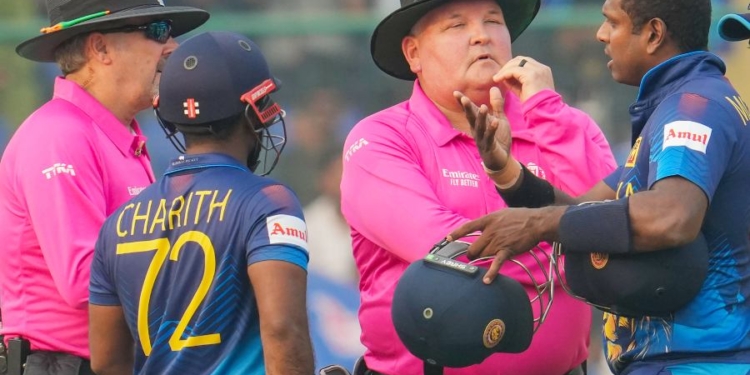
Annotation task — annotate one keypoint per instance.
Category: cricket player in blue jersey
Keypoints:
(204, 272)
(686, 178)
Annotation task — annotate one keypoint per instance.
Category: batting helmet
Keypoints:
(445, 314)
(216, 76)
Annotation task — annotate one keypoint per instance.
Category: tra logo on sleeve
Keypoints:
(692, 135)
(287, 229)
(58, 168)
(355, 147)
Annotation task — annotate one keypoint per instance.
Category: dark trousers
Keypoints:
(51, 363)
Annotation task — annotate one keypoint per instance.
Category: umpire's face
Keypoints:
(136, 63)
(458, 46)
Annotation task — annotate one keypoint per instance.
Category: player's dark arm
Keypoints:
(110, 341)
(599, 192)
(668, 215)
(280, 290)
(531, 191)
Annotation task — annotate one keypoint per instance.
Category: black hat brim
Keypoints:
(385, 44)
(184, 19)
(734, 27)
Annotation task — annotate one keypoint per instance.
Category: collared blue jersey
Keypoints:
(175, 258)
(689, 122)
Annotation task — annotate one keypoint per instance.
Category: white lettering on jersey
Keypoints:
(287, 229)
(688, 134)
(59, 168)
(355, 147)
(459, 174)
(460, 178)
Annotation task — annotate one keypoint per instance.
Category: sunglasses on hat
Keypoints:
(159, 31)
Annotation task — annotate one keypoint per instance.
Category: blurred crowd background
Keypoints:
(319, 49)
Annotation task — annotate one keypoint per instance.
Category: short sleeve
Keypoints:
(277, 227)
(692, 137)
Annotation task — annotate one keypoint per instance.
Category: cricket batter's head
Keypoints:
(446, 316)
(218, 76)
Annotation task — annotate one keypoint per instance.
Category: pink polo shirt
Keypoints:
(410, 179)
(67, 167)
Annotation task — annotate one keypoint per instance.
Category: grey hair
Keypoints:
(71, 54)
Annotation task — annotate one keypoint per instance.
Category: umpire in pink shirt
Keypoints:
(73, 162)
(412, 172)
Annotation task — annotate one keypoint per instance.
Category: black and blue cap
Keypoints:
(735, 27)
(215, 76)
(656, 283)
(446, 316)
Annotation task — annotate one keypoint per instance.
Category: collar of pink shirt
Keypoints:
(110, 125)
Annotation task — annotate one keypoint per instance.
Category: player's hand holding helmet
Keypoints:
(656, 283)
(447, 316)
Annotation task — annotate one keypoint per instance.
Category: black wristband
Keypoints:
(533, 192)
(596, 228)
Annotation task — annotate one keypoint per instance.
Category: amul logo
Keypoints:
(287, 229)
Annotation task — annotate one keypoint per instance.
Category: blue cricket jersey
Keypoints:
(175, 258)
(688, 121)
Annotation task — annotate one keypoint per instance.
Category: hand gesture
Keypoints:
(525, 77)
(509, 232)
(491, 131)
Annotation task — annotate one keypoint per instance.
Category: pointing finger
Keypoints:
(466, 228)
(494, 268)
(497, 101)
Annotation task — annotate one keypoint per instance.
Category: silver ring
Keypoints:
(522, 63)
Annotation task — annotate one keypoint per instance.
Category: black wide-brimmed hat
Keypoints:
(735, 27)
(69, 18)
(385, 45)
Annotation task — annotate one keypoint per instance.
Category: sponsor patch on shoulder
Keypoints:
(59, 169)
(355, 147)
(692, 135)
(630, 162)
(287, 229)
